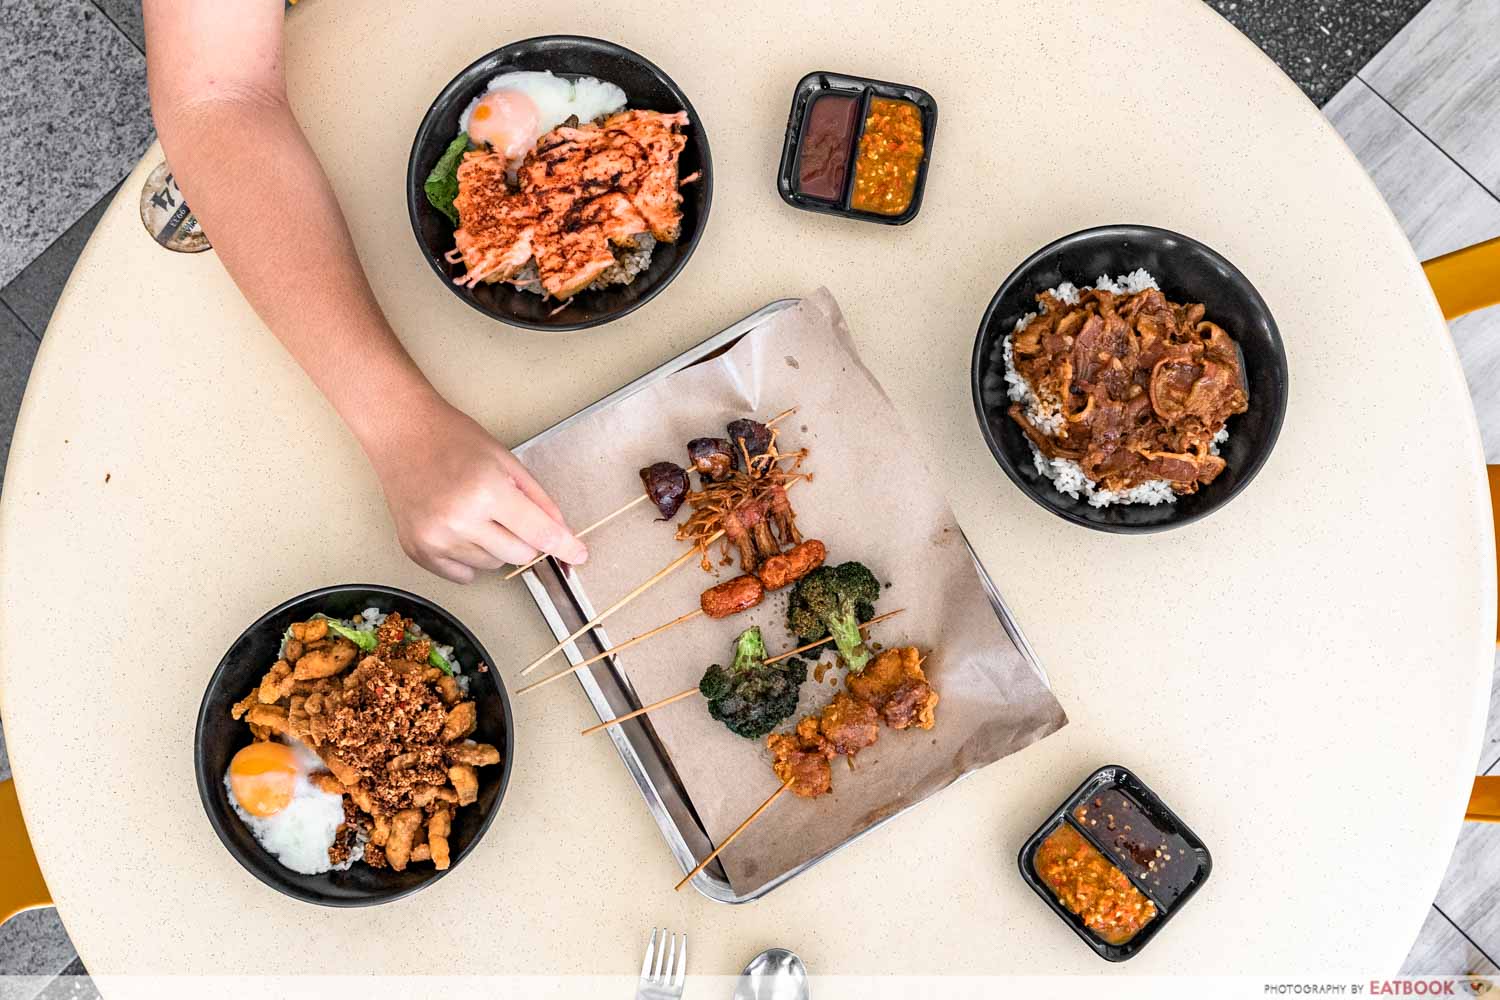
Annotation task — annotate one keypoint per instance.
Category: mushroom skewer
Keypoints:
(681, 695)
(647, 495)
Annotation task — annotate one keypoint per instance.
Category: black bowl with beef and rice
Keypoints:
(559, 183)
(1129, 379)
(353, 745)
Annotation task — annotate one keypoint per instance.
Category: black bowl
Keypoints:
(646, 88)
(1187, 271)
(219, 737)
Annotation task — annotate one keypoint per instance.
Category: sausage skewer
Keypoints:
(652, 581)
(698, 550)
(679, 696)
(737, 831)
(629, 505)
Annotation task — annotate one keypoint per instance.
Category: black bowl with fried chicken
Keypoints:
(487, 277)
(1134, 428)
(253, 664)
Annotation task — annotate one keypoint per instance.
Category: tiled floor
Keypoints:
(1419, 114)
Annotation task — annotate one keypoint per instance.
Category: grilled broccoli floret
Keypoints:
(834, 600)
(752, 697)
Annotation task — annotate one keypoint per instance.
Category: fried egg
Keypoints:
(517, 109)
(293, 819)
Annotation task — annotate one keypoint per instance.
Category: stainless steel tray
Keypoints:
(560, 596)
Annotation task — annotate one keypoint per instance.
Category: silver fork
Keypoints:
(659, 979)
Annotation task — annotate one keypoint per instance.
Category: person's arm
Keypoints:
(460, 500)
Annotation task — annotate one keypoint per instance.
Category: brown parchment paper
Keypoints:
(871, 499)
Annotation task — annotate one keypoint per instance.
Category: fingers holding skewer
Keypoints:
(597, 524)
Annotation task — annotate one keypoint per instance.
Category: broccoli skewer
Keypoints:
(833, 600)
(752, 697)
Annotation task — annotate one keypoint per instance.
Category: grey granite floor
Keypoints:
(1417, 114)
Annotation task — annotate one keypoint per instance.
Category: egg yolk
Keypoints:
(507, 120)
(263, 776)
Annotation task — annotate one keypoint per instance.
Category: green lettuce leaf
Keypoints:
(442, 183)
(364, 640)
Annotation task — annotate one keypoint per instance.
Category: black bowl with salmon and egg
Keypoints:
(647, 89)
(219, 737)
(1186, 272)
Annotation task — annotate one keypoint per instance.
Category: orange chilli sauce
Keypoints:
(890, 154)
(1086, 883)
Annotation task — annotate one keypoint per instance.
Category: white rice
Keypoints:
(1046, 415)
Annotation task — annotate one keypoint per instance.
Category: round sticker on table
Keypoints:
(165, 214)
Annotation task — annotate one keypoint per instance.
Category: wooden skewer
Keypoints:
(597, 524)
(679, 696)
(611, 651)
(823, 642)
(693, 553)
(610, 517)
(737, 831)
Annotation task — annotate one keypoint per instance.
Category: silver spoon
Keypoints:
(774, 974)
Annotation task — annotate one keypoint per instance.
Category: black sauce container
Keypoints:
(861, 89)
(1168, 897)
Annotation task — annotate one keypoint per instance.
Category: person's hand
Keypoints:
(462, 502)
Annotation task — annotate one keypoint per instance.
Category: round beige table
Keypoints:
(1306, 684)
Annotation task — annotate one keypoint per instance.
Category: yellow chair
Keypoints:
(21, 883)
(1463, 281)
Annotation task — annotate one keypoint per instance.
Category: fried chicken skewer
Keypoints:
(681, 695)
(628, 506)
(737, 831)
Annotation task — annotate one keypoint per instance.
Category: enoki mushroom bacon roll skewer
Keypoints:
(666, 484)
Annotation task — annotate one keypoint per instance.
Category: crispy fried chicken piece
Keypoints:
(795, 756)
(477, 754)
(238, 710)
(398, 845)
(849, 725)
(313, 631)
(465, 781)
(272, 717)
(439, 826)
(460, 721)
(326, 661)
(896, 687)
